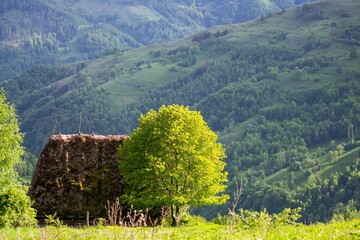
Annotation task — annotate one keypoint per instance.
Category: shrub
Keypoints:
(287, 216)
(53, 220)
(259, 220)
(253, 219)
(15, 208)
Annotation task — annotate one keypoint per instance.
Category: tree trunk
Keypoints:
(175, 210)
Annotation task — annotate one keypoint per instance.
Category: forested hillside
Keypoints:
(34, 32)
(65, 31)
(282, 91)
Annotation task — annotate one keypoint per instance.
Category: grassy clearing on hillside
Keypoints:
(327, 169)
(342, 162)
(126, 88)
(342, 230)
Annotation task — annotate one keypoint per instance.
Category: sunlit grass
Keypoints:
(341, 230)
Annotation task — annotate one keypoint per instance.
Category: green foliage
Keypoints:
(115, 85)
(15, 205)
(32, 33)
(57, 31)
(286, 217)
(53, 220)
(102, 37)
(173, 159)
(242, 81)
(15, 208)
(345, 213)
(333, 199)
(254, 220)
(11, 138)
(26, 165)
(246, 219)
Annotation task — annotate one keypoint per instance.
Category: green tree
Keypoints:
(15, 206)
(173, 160)
(10, 140)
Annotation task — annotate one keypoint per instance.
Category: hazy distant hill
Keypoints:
(63, 31)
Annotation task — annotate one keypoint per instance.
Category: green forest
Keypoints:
(282, 92)
(60, 32)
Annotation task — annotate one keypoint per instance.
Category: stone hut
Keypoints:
(76, 174)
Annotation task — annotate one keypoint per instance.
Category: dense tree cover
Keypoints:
(336, 198)
(15, 206)
(31, 89)
(282, 126)
(31, 33)
(28, 82)
(26, 165)
(173, 159)
(37, 32)
(274, 106)
(278, 127)
(102, 37)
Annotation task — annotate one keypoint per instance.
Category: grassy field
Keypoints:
(327, 169)
(342, 230)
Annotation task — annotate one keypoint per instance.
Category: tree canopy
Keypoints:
(173, 159)
(10, 139)
(15, 206)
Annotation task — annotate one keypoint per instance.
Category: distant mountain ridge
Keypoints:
(63, 31)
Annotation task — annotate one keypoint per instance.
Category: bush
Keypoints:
(253, 219)
(286, 217)
(345, 213)
(259, 220)
(15, 208)
(53, 220)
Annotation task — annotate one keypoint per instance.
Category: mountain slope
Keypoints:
(63, 31)
(282, 92)
(32, 32)
(317, 53)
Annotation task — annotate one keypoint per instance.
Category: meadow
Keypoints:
(203, 230)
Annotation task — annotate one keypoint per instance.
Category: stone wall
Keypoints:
(75, 174)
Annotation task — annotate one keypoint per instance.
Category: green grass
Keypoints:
(341, 230)
(127, 87)
(342, 162)
(128, 13)
(327, 169)
(236, 132)
(282, 174)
